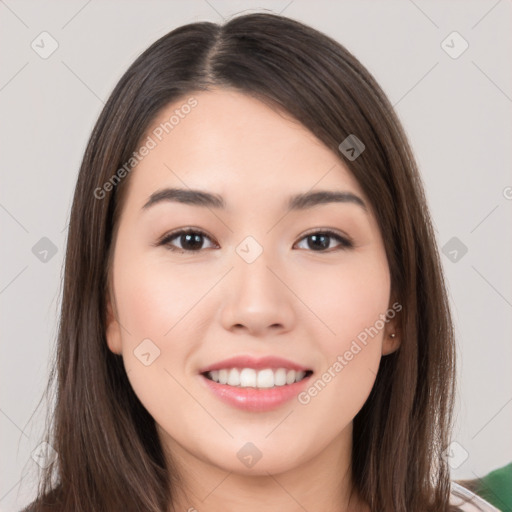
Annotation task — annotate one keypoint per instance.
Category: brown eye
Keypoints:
(190, 240)
(320, 241)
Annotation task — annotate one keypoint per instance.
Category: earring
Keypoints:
(392, 335)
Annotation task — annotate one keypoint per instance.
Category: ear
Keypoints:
(390, 343)
(113, 331)
(392, 336)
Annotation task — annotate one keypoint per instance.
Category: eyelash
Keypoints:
(345, 243)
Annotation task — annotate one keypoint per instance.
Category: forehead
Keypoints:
(234, 145)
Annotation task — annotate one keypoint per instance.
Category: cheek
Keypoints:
(155, 307)
(156, 336)
(155, 301)
(352, 346)
(350, 300)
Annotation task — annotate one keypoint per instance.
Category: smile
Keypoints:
(255, 384)
(259, 379)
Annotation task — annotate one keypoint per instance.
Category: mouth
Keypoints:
(255, 384)
(260, 379)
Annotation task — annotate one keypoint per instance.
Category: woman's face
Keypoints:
(256, 280)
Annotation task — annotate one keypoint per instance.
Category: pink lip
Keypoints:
(255, 363)
(252, 399)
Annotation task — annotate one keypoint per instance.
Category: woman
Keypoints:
(254, 314)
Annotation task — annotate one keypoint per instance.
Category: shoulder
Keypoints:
(468, 501)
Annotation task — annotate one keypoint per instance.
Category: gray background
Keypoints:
(456, 112)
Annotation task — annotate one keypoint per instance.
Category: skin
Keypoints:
(293, 301)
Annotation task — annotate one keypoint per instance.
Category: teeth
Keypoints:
(249, 377)
(234, 377)
(280, 377)
(265, 379)
(223, 376)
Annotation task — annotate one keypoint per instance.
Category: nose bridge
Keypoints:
(257, 297)
(252, 271)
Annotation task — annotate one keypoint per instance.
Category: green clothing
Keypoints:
(496, 488)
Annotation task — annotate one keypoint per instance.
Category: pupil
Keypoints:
(193, 241)
(316, 238)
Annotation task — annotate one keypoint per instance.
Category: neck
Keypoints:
(321, 483)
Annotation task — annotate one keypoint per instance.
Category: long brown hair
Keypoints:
(109, 454)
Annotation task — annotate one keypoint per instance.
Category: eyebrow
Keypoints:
(296, 202)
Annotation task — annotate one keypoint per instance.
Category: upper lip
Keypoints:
(259, 363)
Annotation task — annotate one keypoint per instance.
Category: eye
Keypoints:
(319, 241)
(191, 240)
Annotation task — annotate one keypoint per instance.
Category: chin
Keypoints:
(274, 465)
(259, 458)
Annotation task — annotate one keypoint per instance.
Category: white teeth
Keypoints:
(234, 377)
(223, 376)
(265, 379)
(280, 377)
(249, 377)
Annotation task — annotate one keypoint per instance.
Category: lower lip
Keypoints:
(256, 400)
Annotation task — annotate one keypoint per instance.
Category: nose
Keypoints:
(258, 301)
